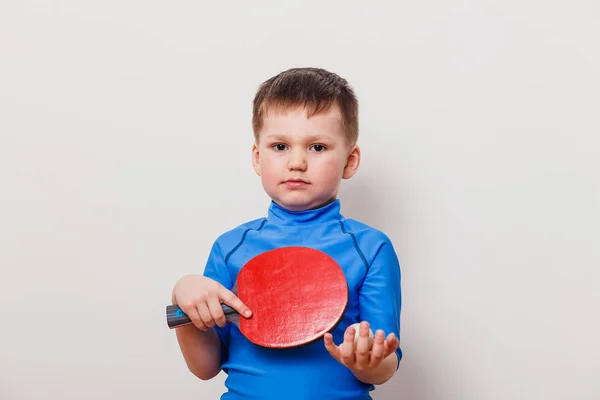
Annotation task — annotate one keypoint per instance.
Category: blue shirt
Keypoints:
(372, 270)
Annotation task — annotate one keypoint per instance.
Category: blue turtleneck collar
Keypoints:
(326, 213)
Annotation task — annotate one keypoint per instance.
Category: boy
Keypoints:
(305, 123)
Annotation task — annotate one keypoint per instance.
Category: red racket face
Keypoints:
(296, 295)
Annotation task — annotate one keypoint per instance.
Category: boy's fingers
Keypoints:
(192, 313)
(347, 347)
(331, 347)
(205, 315)
(234, 302)
(391, 344)
(362, 347)
(216, 312)
(378, 349)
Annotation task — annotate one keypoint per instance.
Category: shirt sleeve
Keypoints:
(380, 294)
(216, 269)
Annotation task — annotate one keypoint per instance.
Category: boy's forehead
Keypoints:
(296, 119)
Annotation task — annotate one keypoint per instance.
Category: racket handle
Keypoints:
(176, 317)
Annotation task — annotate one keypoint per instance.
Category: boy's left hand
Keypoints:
(361, 357)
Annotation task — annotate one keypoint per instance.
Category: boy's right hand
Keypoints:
(200, 299)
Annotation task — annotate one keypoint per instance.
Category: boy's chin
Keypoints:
(297, 205)
(293, 206)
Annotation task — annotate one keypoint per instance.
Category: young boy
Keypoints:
(305, 124)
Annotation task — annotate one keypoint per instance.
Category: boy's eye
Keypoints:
(279, 147)
(318, 148)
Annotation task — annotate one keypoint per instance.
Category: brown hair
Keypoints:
(313, 88)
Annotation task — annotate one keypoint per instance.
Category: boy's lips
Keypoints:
(295, 183)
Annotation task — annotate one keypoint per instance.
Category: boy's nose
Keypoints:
(297, 161)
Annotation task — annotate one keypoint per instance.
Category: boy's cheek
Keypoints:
(268, 163)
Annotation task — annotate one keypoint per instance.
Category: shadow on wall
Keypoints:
(376, 203)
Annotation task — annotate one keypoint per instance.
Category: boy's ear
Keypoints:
(255, 159)
(352, 162)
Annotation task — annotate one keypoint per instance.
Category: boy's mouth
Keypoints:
(295, 183)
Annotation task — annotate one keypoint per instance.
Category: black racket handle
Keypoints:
(176, 317)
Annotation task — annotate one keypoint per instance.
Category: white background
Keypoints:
(125, 151)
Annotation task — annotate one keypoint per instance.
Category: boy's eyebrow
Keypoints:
(313, 138)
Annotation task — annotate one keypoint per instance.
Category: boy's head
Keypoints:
(305, 123)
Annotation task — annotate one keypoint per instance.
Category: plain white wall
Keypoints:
(125, 151)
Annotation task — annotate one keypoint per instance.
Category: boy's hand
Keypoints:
(361, 357)
(200, 299)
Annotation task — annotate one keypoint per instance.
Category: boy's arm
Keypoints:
(380, 302)
(201, 351)
(205, 351)
(380, 299)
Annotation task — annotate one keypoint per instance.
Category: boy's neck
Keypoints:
(325, 213)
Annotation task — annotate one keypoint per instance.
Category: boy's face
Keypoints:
(302, 161)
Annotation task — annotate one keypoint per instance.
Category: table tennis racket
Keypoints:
(296, 294)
